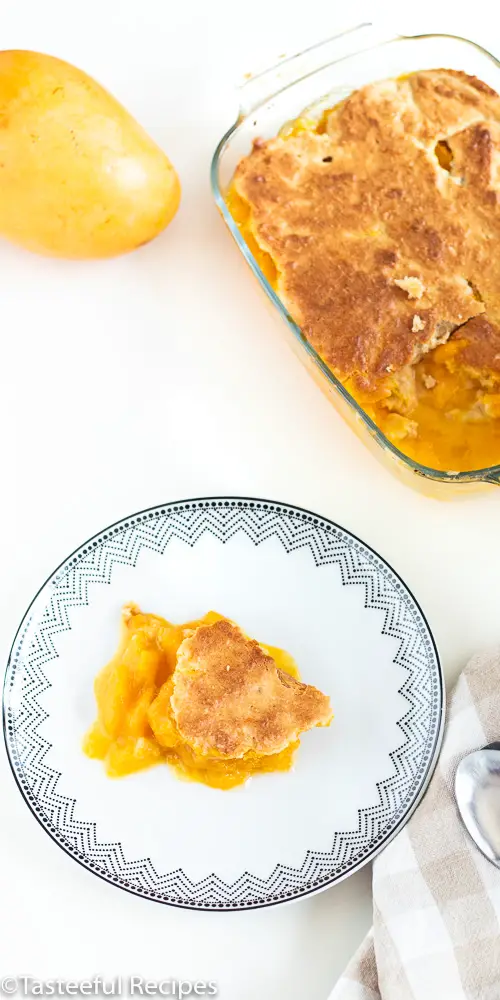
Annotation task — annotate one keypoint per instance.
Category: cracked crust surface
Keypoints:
(229, 697)
(399, 184)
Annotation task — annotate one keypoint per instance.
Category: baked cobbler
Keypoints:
(379, 227)
(202, 697)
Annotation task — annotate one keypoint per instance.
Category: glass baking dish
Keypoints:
(315, 80)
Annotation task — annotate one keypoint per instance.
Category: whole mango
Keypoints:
(79, 177)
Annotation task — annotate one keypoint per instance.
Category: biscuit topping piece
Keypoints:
(229, 697)
(412, 286)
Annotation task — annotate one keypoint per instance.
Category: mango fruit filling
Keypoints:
(135, 728)
(450, 421)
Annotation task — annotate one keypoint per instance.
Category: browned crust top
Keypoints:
(479, 344)
(349, 213)
(230, 697)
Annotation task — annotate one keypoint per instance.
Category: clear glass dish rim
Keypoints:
(490, 474)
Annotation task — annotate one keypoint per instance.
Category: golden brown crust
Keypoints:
(349, 213)
(229, 697)
(479, 342)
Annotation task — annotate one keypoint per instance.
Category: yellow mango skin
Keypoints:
(79, 177)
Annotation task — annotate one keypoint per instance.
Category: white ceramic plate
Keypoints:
(290, 579)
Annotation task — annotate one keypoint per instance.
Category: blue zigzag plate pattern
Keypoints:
(29, 671)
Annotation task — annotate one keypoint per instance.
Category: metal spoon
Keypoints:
(477, 791)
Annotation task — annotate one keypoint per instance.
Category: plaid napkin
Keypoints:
(436, 899)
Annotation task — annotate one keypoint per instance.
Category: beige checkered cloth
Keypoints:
(436, 899)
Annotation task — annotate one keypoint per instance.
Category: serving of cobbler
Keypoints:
(378, 225)
(202, 697)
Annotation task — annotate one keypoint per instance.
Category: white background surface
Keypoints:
(163, 375)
